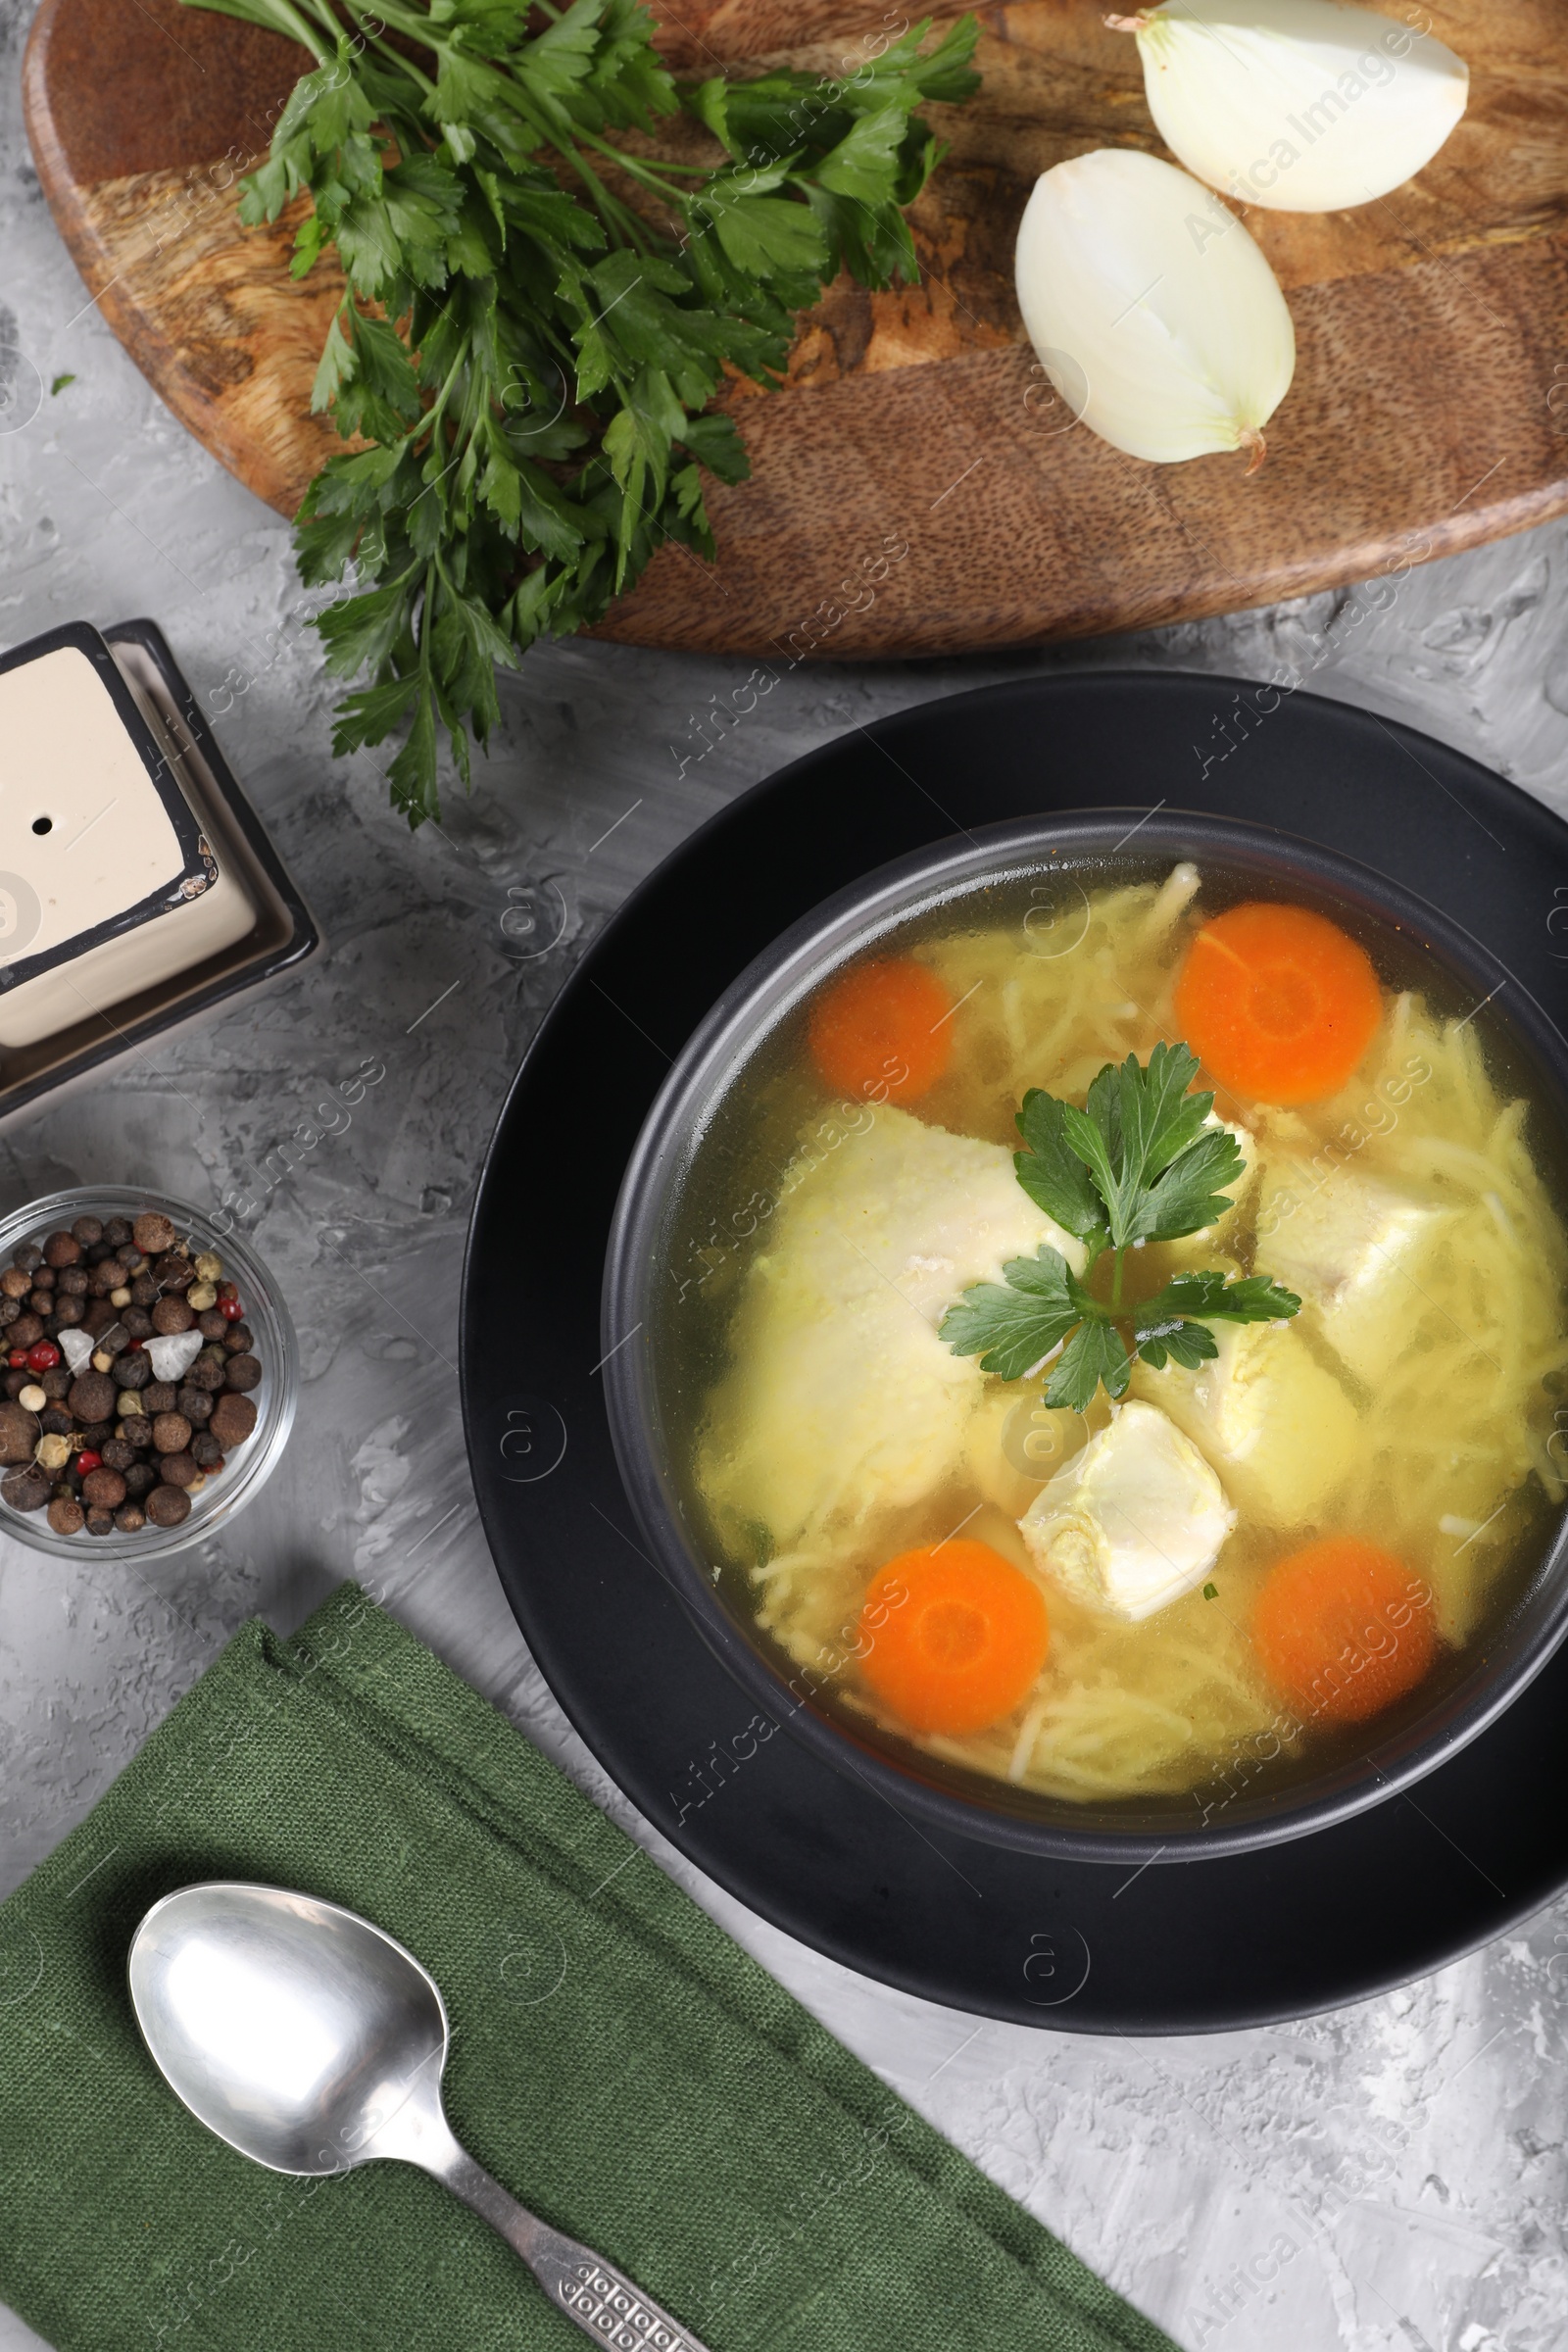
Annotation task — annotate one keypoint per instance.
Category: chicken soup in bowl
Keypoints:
(1090, 1330)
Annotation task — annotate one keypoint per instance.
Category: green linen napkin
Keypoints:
(617, 2061)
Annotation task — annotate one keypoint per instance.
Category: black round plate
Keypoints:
(1165, 1948)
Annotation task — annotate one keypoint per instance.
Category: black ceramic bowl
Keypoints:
(1365, 1764)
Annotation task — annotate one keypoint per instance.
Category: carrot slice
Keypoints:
(953, 1637)
(1277, 1002)
(882, 1031)
(1343, 1628)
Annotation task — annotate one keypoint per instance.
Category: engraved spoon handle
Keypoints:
(604, 2301)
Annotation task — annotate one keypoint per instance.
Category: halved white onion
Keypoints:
(1155, 314)
(1300, 105)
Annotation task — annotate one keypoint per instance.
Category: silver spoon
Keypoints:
(312, 2043)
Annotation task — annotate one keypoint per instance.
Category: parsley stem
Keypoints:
(278, 16)
(426, 625)
(644, 168)
(395, 57)
(1115, 1283)
(433, 414)
(412, 23)
(619, 219)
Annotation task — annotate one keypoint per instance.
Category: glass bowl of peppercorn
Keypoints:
(148, 1373)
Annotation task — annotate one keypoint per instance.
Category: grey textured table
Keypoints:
(1392, 2178)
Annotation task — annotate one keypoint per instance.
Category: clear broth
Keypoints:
(1453, 1464)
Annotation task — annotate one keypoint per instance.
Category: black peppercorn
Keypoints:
(93, 1397)
(68, 1312)
(206, 1452)
(19, 1435)
(133, 1370)
(238, 1339)
(100, 1523)
(118, 1456)
(143, 1291)
(137, 1323)
(104, 1489)
(72, 1282)
(196, 1404)
(27, 1489)
(140, 1478)
(207, 1372)
(56, 1422)
(233, 1419)
(158, 1397)
(118, 1231)
(56, 1382)
(29, 1257)
(87, 1231)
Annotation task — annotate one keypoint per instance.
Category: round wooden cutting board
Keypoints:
(917, 488)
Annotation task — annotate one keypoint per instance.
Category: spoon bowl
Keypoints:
(311, 2042)
(294, 2029)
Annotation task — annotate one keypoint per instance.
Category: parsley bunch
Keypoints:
(537, 317)
(1138, 1163)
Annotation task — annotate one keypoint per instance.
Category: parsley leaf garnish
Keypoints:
(1159, 1170)
(1172, 1323)
(538, 315)
(1014, 1328)
(1139, 1162)
(1052, 1175)
(1096, 1353)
